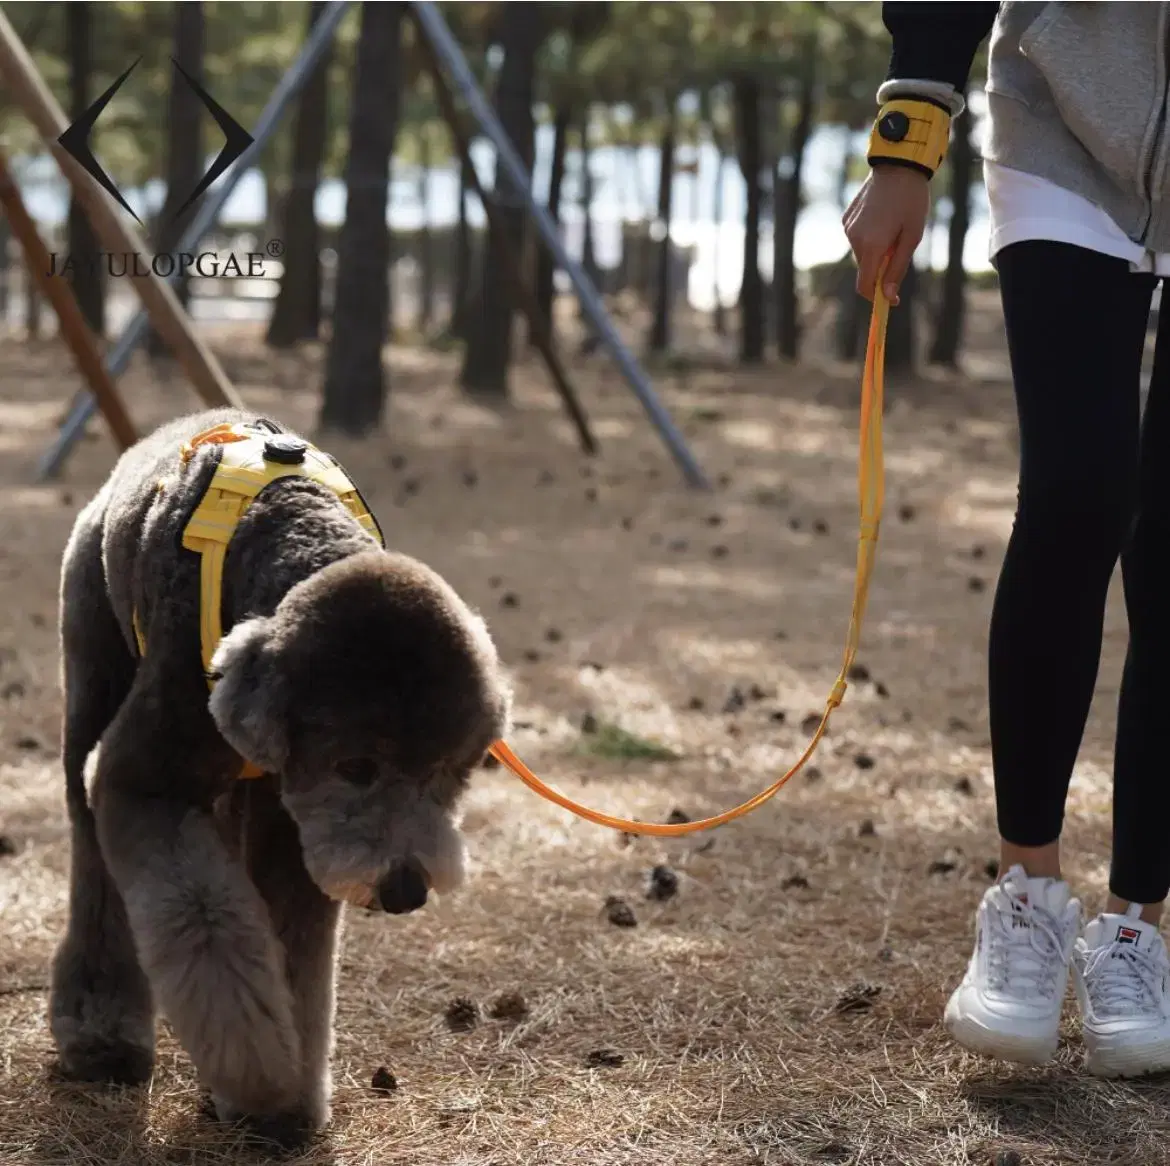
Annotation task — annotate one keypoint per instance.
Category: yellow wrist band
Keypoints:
(911, 132)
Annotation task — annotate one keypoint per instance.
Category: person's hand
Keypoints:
(887, 217)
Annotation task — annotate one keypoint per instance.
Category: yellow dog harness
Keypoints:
(254, 456)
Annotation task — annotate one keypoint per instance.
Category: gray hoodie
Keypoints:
(1077, 94)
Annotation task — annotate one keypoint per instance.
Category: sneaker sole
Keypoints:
(1128, 1062)
(966, 1031)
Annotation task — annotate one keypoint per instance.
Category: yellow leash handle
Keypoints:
(871, 497)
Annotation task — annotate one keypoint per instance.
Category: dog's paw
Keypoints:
(111, 1061)
(102, 1021)
(290, 1129)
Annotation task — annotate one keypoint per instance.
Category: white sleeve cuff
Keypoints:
(938, 90)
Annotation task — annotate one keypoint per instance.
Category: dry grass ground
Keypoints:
(783, 1007)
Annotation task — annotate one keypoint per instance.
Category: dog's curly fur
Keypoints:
(356, 678)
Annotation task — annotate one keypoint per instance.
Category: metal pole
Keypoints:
(447, 48)
(524, 297)
(73, 327)
(134, 333)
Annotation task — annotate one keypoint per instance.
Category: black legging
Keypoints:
(1090, 490)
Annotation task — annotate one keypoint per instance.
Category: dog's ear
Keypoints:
(247, 702)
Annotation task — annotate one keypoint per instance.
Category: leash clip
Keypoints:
(838, 693)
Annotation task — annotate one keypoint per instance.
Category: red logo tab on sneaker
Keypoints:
(1128, 935)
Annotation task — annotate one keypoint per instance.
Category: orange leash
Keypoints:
(871, 496)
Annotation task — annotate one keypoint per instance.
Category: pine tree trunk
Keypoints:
(948, 336)
(296, 315)
(545, 265)
(184, 142)
(489, 341)
(5, 273)
(588, 255)
(32, 306)
(590, 339)
(751, 296)
(660, 328)
(720, 319)
(786, 212)
(88, 271)
(426, 238)
(461, 280)
(355, 379)
(849, 321)
(902, 336)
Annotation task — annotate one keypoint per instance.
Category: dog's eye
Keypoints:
(358, 770)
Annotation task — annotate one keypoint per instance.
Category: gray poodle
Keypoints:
(360, 684)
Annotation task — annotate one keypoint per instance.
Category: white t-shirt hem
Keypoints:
(1024, 208)
(1060, 231)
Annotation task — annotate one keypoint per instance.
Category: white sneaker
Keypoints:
(1122, 977)
(1008, 1004)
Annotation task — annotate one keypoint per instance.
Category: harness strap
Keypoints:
(232, 491)
(244, 470)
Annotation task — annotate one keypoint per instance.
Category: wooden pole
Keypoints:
(509, 262)
(75, 331)
(18, 74)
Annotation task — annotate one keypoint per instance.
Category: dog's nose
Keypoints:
(403, 888)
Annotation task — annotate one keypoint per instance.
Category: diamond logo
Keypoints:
(75, 141)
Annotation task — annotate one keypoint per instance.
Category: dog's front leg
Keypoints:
(203, 936)
(306, 923)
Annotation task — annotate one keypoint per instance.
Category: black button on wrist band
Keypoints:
(894, 126)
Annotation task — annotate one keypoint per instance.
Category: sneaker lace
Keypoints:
(1123, 980)
(1025, 950)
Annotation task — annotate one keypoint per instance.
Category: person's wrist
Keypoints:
(883, 168)
(911, 132)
